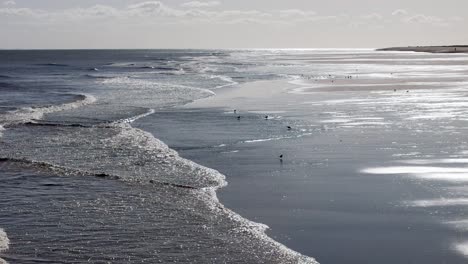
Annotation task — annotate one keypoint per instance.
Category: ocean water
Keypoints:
(137, 156)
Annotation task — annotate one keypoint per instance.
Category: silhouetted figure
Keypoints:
(239, 117)
(289, 128)
(394, 90)
(266, 117)
(281, 157)
(235, 111)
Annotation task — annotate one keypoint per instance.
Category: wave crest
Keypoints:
(28, 114)
(4, 244)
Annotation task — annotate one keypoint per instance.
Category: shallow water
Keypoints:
(51, 218)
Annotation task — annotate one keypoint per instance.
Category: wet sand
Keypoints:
(431, 49)
(317, 200)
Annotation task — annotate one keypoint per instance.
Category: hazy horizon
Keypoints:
(178, 24)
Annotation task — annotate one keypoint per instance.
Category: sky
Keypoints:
(87, 24)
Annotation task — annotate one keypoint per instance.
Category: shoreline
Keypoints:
(430, 49)
(251, 228)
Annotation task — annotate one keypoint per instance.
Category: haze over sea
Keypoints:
(137, 156)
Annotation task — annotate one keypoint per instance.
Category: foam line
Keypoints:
(134, 118)
(461, 248)
(461, 225)
(65, 170)
(438, 202)
(432, 161)
(29, 114)
(4, 244)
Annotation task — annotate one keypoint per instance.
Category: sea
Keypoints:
(233, 156)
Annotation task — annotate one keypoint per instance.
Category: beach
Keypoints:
(240, 156)
(431, 49)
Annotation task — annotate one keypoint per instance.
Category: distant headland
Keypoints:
(431, 49)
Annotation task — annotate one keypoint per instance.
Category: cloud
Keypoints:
(197, 4)
(97, 11)
(9, 3)
(424, 19)
(156, 12)
(295, 13)
(400, 12)
(152, 8)
(373, 16)
(26, 12)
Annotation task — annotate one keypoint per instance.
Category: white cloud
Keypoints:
(197, 4)
(27, 12)
(424, 19)
(199, 12)
(152, 8)
(400, 12)
(295, 13)
(9, 3)
(373, 16)
(97, 11)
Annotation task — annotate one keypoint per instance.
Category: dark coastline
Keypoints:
(430, 49)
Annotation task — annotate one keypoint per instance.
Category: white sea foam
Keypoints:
(252, 229)
(263, 140)
(438, 202)
(337, 120)
(432, 161)
(369, 118)
(134, 118)
(461, 248)
(406, 154)
(229, 81)
(28, 114)
(228, 152)
(461, 225)
(142, 87)
(4, 244)
(1, 129)
(352, 124)
(276, 138)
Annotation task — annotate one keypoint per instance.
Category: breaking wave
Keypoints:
(126, 154)
(4, 244)
(134, 118)
(28, 114)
